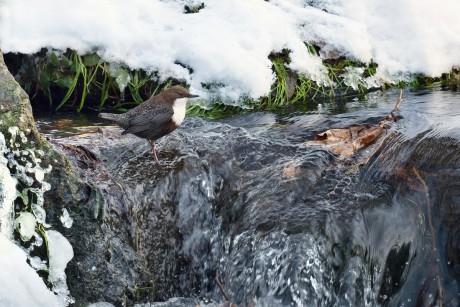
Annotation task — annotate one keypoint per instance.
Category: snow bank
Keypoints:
(20, 284)
(228, 42)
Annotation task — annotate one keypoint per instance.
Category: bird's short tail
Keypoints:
(109, 116)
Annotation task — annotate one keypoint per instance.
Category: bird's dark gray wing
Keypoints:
(149, 119)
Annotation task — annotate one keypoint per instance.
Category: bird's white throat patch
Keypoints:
(179, 110)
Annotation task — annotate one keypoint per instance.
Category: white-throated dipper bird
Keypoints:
(156, 117)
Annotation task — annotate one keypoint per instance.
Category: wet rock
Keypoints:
(281, 222)
(15, 108)
(216, 183)
(169, 213)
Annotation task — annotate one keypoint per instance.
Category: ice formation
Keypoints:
(20, 285)
(60, 252)
(65, 218)
(25, 224)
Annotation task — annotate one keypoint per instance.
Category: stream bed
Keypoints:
(282, 222)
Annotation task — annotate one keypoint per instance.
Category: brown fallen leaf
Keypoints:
(345, 142)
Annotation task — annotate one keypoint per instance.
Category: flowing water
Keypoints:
(288, 224)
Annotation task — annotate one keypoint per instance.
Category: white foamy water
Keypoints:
(228, 42)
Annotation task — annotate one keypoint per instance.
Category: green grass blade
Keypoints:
(85, 85)
(70, 90)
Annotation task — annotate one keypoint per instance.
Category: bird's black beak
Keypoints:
(193, 96)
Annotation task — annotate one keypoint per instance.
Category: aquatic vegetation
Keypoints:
(86, 82)
(79, 81)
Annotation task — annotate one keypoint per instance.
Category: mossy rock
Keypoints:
(15, 108)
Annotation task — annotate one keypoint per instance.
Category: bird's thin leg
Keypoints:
(154, 150)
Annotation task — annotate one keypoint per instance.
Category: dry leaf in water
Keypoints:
(345, 142)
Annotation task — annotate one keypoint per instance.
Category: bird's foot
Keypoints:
(154, 154)
(154, 151)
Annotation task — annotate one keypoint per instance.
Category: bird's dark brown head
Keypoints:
(177, 92)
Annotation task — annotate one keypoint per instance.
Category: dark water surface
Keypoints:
(288, 224)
